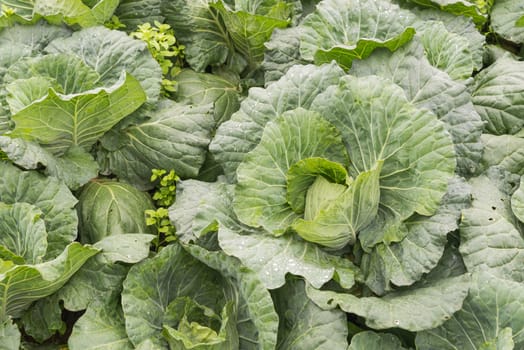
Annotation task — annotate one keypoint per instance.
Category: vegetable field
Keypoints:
(262, 174)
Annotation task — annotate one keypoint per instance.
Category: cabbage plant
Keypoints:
(342, 174)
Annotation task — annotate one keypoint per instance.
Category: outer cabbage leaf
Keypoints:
(202, 89)
(43, 319)
(59, 122)
(19, 41)
(415, 308)
(427, 87)
(261, 192)
(155, 287)
(199, 207)
(23, 236)
(476, 9)
(504, 151)
(174, 136)
(200, 29)
(517, 201)
(102, 327)
(70, 11)
(368, 340)
(22, 41)
(108, 207)
(96, 282)
(242, 133)
(257, 322)
(305, 326)
(498, 96)
(347, 30)
(377, 123)
(68, 71)
(461, 25)
(271, 258)
(489, 234)
(20, 285)
(75, 167)
(403, 263)
(132, 13)
(50, 196)
(447, 51)
(110, 52)
(250, 27)
(10, 336)
(507, 20)
(492, 306)
(282, 53)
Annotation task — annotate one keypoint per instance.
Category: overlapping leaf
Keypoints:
(242, 133)
(174, 136)
(347, 30)
(492, 313)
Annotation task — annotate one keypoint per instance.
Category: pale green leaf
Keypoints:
(498, 96)
(202, 89)
(75, 168)
(447, 51)
(23, 92)
(110, 52)
(71, 11)
(133, 13)
(10, 335)
(492, 306)
(24, 41)
(476, 9)
(305, 326)
(59, 122)
(47, 194)
(489, 237)
(67, 71)
(20, 285)
(282, 53)
(504, 151)
(22, 233)
(102, 327)
(236, 137)
(128, 248)
(44, 319)
(414, 309)
(250, 30)
(403, 263)
(272, 258)
(174, 136)
(507, 20)
(108, 207)
(200, 29)
(199, 206)
(460, 25)
(517, 201)
(338, 223)
(95, 282)
(328, 177)
(346, 30)
(369, 340)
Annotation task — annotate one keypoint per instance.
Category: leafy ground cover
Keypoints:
(272, 174)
